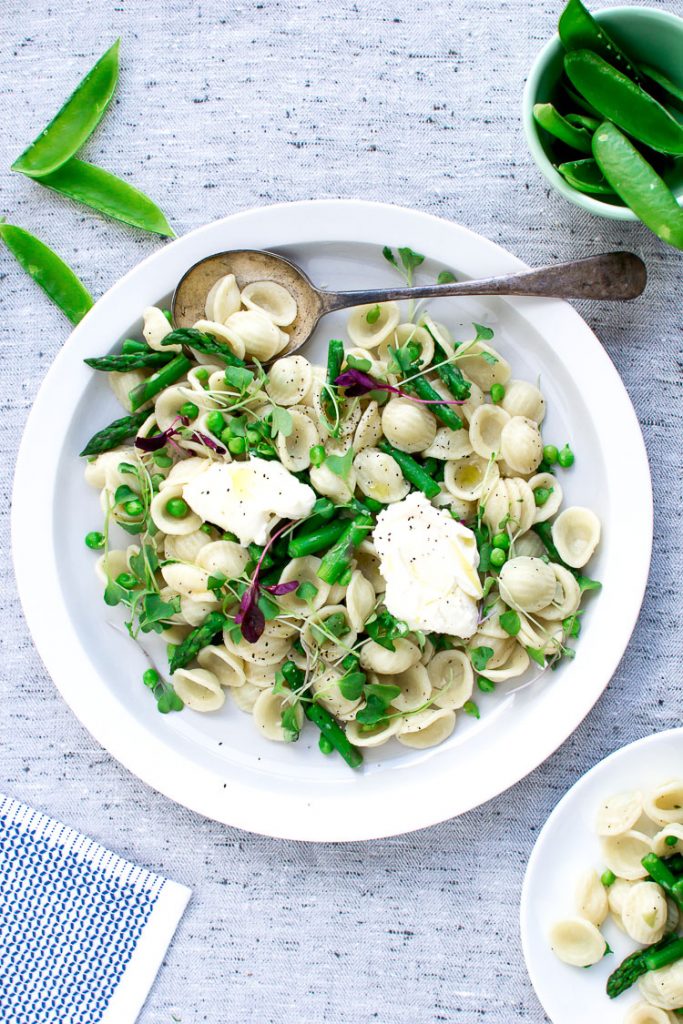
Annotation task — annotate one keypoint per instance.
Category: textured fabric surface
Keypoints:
(226, 106)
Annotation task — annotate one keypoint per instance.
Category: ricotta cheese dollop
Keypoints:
(429, 562)
(248, 497)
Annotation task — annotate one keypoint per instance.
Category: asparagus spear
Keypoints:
(411, 469)
(660, 873)
(186, 651)
(335, 358)
(451, 375)
(129, 361)
(323, 719)
(116, 433)
(421, 387)
(663, 953)
(336, 561)
(201, 342)
(167, 375)
(315, 540)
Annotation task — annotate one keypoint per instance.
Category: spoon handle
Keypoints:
(611, 275)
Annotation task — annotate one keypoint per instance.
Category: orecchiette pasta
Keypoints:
(272, 299)
(379, 477)
(577, 941)
(289, 380)
(576, 534)
(523, 399)
(369, 333)
(521, 444)
(199, 689)
(408, 426)
(426, 729)
(223, 299)
(486, 427)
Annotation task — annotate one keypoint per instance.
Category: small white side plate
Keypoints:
(566, 846)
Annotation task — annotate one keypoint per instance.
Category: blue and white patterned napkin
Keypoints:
(82, 931)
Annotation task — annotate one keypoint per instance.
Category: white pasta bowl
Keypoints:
(217, 764)
(566, 846)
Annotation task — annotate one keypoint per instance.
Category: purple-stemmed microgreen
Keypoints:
(358, 383)
(250, 617)
(158, 441)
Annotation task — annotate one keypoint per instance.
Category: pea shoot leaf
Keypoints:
(389, 256)
(373, 713)
(290, 723)
(124, 493)
(410, 259)
(281, 422)
(483, 333)
(382, 691)
(446, 277)
(239, 377)
(587, 584)
(357, 363)
(511, 622)
(351, 685)
(480, 657)
(485, 685)
(340, 465)
(383, 628)
(155, 611)
(470, 708)
(537, 655)
(114, 594)
(169, 701)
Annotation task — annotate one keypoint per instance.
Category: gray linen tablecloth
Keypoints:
(226, 106)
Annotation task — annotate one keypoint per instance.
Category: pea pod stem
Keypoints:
(411, 470)
(49, 271)
(115, 434)
(75, 122)
(169, 374)
(337, 560)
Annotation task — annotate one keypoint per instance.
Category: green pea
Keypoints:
(317, 455)
(498, 557)
(497, 393)
(134, 507)
(671, 840)
(177, 508)
(189, 410)
(237, 445)
(226, 436)
(550, 454)
(162, 459)
(202, 375)
(206, 528)
(566, 457)
(127, 581)
(151, 678)
(485, 685)
(215, 422)
(608, 878)
(501, 541)
(94, 540)
(541, 495)
(373, 315)
(253, 437)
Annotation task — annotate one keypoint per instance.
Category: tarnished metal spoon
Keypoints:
(611, 276)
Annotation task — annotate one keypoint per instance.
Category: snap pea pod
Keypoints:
(669, 92)
(411, 469)
(115, 434)
(168, 374)
(51, 273)
(578, 100)
(201, 342)
(622, 101)
(556, 125)
(336, 561)
(579, 30)
(583, 121)
(640, 187)
(129, 361)
(75, 122)
(319, 539)
(424, 390)
(185, 652)
(103, 191)
(336, 735)
(585, 176)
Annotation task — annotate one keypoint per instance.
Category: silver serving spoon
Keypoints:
(611, 275)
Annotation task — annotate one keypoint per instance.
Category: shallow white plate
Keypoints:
(216, 764)
(566, 846)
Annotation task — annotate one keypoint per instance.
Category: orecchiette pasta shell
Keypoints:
(245, 697)
(368, 562)
(267, 650)
(155, 327)
(544, 636)
(451, 676)
(304, 570)
(385, 662)
(502, 648)
(623, 854)
(552, 505)
(527, 584)
(486, 426)
(184, 471)
(225, 332)
(167, 406)
(226, 667)
(467, 478)
(261, 337)
(521, 444)
(122, 384)
(407, 425)
(529, 544)
(98, 471)
(619, 813)
(268, 710)
(660, 845)
(524, 399)
(576, 534)
(644, 1013)
(369, 429)
(223, 556)
(187, 580)
(111, 565)
(192, 611)
(272, 299)
(379, 476)
(644, 913)
(262, 676)
(426, 728)
(467, 409)
(361, 737)
(567, 595)
(330, 648)
(370, 335)
(338, 488)
(289, 380)
(326, 689)
(415, 688)
(223, 299)
(577, 942)
(198, 689)
(490, 625)
(516, 664)
(167, 523)
(449, 445)
(360, 600)
(665, 805)
(480, 370)
(591, 898)
(295, 449)
(616, 894)
(664, 988)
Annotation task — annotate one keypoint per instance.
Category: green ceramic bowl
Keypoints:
(649, 37)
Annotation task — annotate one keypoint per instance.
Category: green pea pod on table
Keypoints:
(556, 125)
(622, 101)
(103, 191)
(75, 122)
(638, 185)
(579, 30)
(585, 176)
(49, 271)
